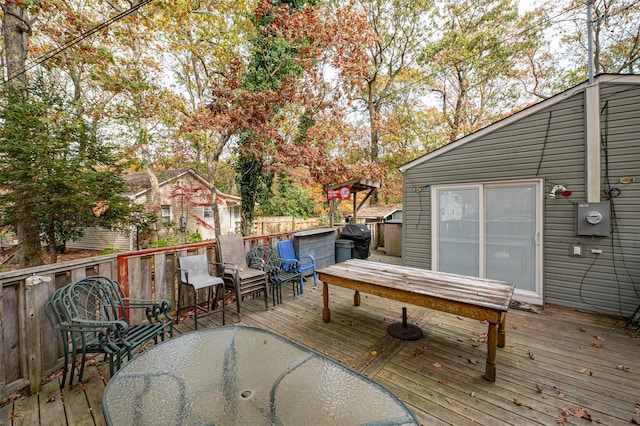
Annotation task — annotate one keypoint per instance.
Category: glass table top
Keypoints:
(245, 375)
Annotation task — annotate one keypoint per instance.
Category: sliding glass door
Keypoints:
(491, 230)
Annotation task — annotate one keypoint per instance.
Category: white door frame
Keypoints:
(527, 296)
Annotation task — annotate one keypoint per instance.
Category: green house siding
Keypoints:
(549, 143)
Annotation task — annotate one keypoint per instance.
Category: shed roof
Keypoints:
(602, 78)
(380, 210)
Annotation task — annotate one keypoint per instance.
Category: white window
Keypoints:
(207, 212)
(166, 214)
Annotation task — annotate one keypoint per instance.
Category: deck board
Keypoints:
(552, 363)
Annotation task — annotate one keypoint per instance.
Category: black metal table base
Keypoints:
(404, 331)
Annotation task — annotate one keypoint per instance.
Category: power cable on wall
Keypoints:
(544, 145)
(610, 193)
(45, 57)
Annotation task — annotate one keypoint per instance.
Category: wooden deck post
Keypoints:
(34, 303)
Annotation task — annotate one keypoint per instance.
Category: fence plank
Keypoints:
(160, 268)
(35, 294)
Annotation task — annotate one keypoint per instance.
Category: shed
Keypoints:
(547, 198)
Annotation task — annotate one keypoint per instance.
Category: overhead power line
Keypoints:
(45, 57)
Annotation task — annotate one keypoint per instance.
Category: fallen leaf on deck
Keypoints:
(633, 421)
(374, 353)
(418, 352)
(581, 413)
(472, 361)
(521, 404)
(562, 420)
(472, 394)
(561, 394)
(264, 342)
(444, 382)
(623, 368)
(582, 329)
(597, 345)
(531, 355)
(14, 416)
(448, 400)
(514, 326)
(598, 338)
(538, 388)
(437, 365)
(51, 398)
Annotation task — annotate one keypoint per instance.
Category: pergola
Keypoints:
(345, 190)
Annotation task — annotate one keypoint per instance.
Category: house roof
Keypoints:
(138, 184)
(602, 78)
(381, 210)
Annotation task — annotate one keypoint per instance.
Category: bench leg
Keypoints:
(492, 349)
(356, 298)
(326, 313)
(502, 331)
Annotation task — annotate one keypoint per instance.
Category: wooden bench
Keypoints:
(477, 298)
(92, 314)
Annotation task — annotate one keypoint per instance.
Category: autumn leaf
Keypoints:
(264, 342)
(521, 404)
(51, 398)
(418, 352)
(374, 353)
(623, 368)
(436, 364)
(15, 416)
(531, 355)
(562, 420)
(448, 400)
(581, 413)
(514, 326)
(582, 329)
(444, 382)
(472, 361)
(538, 388)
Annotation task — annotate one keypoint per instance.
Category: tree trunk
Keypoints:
(17, 28)
(212, 168)
(155, 198)
(53, 249)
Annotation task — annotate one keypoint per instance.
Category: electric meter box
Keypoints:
(593, 219)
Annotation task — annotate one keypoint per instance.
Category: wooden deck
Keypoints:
(559, 366)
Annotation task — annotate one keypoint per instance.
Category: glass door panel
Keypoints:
(458, 231)
(510, 234)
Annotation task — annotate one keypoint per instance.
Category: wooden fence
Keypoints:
(276, 224)
(30, 348)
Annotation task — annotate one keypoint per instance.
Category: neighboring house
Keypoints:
(198, 217)
(491, 204)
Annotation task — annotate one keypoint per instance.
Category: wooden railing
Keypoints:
(29, 347)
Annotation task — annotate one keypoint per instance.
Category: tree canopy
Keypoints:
(276, 97)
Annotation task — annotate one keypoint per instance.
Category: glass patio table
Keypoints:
(245, 375)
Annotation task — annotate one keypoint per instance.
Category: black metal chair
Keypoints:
(274, 268)
(92, 314)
